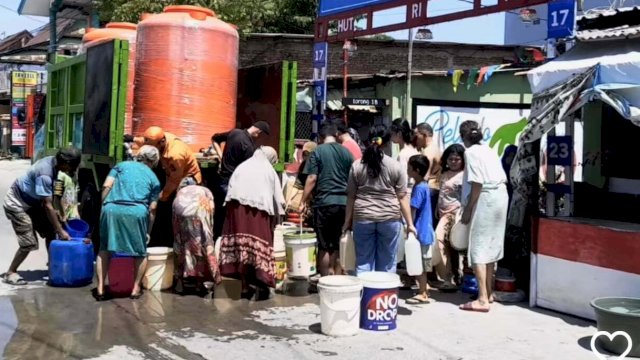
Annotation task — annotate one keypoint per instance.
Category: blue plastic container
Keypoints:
(77, 228)
(379, 304)
(70, 263)
(469, 284)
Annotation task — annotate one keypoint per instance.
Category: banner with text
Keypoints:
(23, 84)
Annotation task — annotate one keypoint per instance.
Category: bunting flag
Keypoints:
(473, 74)
(455, 80)
(483, 72)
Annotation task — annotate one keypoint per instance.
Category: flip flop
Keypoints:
(469, 307)
(416, 300)
(136, 296)
(14, 279)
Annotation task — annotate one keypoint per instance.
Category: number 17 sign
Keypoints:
(562, 17)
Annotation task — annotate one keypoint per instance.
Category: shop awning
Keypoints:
(616, 80)
(619, 63)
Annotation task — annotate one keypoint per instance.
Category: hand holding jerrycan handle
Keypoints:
(413, 255)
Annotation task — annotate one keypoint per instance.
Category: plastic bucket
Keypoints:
(159, 273)
(121, 271)
(340, 304)
(77, 228)
(281, 268)
(278, 236)
(619, 314)
(379, 305)
(301, 253)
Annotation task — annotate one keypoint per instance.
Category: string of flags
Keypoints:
(475, 76)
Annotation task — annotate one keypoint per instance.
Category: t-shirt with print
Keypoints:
(37, 183)
(353, 148)
(331, 163)
(421, 202)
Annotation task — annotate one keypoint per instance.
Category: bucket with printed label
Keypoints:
(301, 253)
(379, 305)
(281, 268)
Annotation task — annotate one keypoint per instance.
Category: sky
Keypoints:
(11, 22)
(489, 29)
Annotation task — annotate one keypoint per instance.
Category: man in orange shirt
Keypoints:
(176, 158)
(178, 162)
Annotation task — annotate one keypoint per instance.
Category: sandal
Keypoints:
(136, 296)
(471, 307)
(14, 279)
(419, 300)
(97, 296)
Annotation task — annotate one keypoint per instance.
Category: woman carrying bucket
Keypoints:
(376, 201)
(253, 202)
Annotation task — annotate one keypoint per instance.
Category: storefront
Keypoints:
(588, 243)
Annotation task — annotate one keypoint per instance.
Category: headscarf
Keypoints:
(154, 134)
(256, 184)
(148, 154)
(188, 181)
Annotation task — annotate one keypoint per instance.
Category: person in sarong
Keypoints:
(193, 245)
(253, 203)
(485, 201)
(130, 195)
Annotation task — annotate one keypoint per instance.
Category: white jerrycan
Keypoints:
(347, 252)
(413, 256)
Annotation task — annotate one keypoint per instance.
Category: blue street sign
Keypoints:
(320, 51)
(561, 20)
(319, 90)
(560, 150)
(331, 7)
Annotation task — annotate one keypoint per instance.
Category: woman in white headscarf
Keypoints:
(253, 201)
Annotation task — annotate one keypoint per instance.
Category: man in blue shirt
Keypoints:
(29, 206)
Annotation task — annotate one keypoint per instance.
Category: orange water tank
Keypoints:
(120, 31)
(187, 74)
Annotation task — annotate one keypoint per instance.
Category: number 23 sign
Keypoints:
(560, 150)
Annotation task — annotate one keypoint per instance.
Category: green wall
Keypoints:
(503, 87)
(592, 148)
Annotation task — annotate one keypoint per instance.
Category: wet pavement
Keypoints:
(40, 322)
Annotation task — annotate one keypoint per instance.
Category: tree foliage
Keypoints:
(276, 16)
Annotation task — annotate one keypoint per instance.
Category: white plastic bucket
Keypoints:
(301, 254)
(379, 305)
(340, 304)
(278, 235)
(159, 273)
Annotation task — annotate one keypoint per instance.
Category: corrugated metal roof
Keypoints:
(607, 13)
(623, 32)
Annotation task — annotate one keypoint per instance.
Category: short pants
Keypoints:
(426, 257)
(328, 224)
(27, 223)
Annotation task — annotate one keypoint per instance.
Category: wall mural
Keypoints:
(501, 127)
